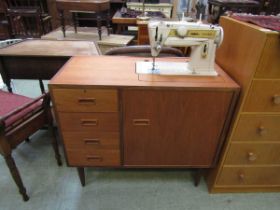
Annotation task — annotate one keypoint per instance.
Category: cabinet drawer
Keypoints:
(91, 122)
(91, 140)
(86, 100)
(258, 127)
(93, 158)
(242, 176)
(264, 96)
(269, 65)
(252, 154)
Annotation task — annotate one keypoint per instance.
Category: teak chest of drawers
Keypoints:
(251, 158)
(109, 116)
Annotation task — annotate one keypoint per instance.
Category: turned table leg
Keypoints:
(62, 21)
(75, 21)
(108, 19)
(81, 172)
(16, 176)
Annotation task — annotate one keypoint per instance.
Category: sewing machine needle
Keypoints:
(154, 60)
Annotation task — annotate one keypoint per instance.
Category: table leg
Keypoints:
(99, 25)
(6, 79)
(75, 21)
(108, 22)
(62, 21)
(81, 172)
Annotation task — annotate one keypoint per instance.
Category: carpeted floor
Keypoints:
(58, 188)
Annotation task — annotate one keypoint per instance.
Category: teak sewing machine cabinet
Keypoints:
(109, 116)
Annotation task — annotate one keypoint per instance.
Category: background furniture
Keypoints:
(28, 18)
(89, 6)
(144, 51)
(4, 30)
(219, 7)
(251, 160)
(20, 117)
(39, 59)
(109, 116)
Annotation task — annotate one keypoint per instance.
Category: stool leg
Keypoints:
(16, 176)
(55, 145)
(99, 25)
(81, 172)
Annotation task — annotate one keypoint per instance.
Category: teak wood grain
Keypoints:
(252, 59)
(257, 127)
(86, 100)
(162, 121)
(173, 127)
(253, 154)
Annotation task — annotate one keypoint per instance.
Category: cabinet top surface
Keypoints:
(50, 48)
(119, 71)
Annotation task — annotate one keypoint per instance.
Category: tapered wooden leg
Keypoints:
(108, 19)
(75, 21)
(16, 176)
(81, 172)
(197, 177)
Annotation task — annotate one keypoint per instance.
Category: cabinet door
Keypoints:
(173, 128)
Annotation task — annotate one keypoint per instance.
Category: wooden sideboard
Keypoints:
(251, 158)
(109, 116)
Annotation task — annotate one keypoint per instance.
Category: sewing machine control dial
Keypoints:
(182, 31)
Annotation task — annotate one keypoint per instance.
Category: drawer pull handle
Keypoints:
(241, 177)
(93, 122)
(252, 156)
(261, 131)
(87, 101)
(141, 122)
(93, 157)
(276, 99)
(92, 141)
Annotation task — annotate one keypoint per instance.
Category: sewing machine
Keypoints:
(202, 38)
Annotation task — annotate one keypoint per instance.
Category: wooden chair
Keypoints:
(144, 51)
(20, 117)
(28, 18)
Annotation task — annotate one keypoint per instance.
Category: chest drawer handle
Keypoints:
(241, 177)
(276, 99)
(252, 156)
(91, 122)
(92, 141)
(94, 157)
(141, 122)
(261, 130)
(87, 101)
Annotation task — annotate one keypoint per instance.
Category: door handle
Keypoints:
(141, 122)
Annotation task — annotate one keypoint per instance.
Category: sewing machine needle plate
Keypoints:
(170, 68)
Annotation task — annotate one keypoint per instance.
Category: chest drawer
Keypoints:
(246, 176)
(91, 140)
(89, 122)
(93, 157)
(85, 100)
(264, 96)
(253, 154)
(258, 127)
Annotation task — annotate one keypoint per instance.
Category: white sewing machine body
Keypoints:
(202, 38)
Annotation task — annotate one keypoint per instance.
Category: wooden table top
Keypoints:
(37, 47)
(119, 71)
(83, 5)
(118, 19)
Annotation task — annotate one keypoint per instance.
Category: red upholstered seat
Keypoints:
(9, 102)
